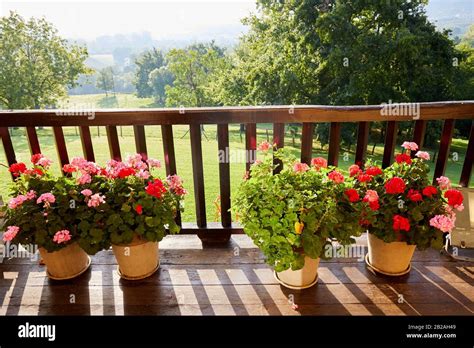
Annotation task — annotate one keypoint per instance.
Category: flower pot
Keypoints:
(69, 262)
(302, 278)
(391, 259)
(138, 259)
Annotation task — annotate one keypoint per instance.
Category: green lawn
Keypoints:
(183, 152)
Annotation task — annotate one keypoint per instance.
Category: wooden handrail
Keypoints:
(228, 115)
(250, 116)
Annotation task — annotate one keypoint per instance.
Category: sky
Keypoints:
(88, 19)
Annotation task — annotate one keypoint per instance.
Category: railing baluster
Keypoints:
(8, 146)
(419, 134)
(468, 160)
(307, 143)
(362, 141)
(334, 141)
(61, 145)
(224, 173)
(86, 140)
(198, 174)
(114, 146)
(250, 143)
(444, 145)
(390, 142)
(33, 140)
(140, 141)
(279, 141)
(169, 156)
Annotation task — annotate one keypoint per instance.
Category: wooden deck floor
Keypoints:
(236, 281)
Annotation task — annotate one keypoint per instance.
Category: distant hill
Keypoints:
(456, 15)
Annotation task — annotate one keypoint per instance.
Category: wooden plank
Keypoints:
(419, 133)
(231, 115)
(250, 144)
(33, 142)
(168, 149)
(86, 141)
(390, 143)
(334, 141)
(279, 141)
(140, 140)
(224, 173)
(307, 143)
(114, 146)
(468, 160)
(8, 146)
(444, 145)
(198, 174)
(362, 141)
(61, 145)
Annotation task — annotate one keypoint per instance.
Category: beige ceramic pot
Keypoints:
(389, 258)
(138, 259)
(302, 278)
(69, 262)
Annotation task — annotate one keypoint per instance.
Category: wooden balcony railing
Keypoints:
(250, 116)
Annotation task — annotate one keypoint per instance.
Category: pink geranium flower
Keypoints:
(85, 178)
(176, 184)
(300, 167)
(153, 163)
(444, 183)
(47, 198)
(10, 233)
(264, 146)
(143, 174)
(31, 195)
(423, 155)
(95, 200)
(337, 177)
(408, 145)
(319, 162)
(371, 196)
(86, 192)
(17, 201)
(443, 223)
(62, 236)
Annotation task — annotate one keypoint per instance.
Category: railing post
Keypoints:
(468, 160)
(390, 142)
(444, 145)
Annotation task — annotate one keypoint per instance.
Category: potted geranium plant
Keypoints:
(140, 208)
(41, 213)
(292, 215)
(401, 210)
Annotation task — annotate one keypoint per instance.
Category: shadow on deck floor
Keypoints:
(236, 281)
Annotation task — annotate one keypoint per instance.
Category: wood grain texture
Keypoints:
(228, 115)
(33, 141)
(468, 161)
(444, 146)
(307, 143)
(362, 141)
(193, 280)
(86, 141)
(390, 143)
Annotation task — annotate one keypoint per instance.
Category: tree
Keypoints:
(194, 70)
(158, 80)
(345, 53)
(146, 63)
(36, 64)
(105, 80)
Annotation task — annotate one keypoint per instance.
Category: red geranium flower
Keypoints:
(373, 171)
(364, 177)
(394, 186)
(337, 177)
(352, 195)
(414, 195)
(401, 223)
(38, 171)
(139, 209)
(36, 157)
(69, 168)
(17, 168)
(354, 170)
(374, 205)
(454, 197)
(429, 191)
(124, 172)
(403, 158)
(156, 188)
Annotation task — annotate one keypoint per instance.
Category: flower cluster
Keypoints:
(399, 202)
